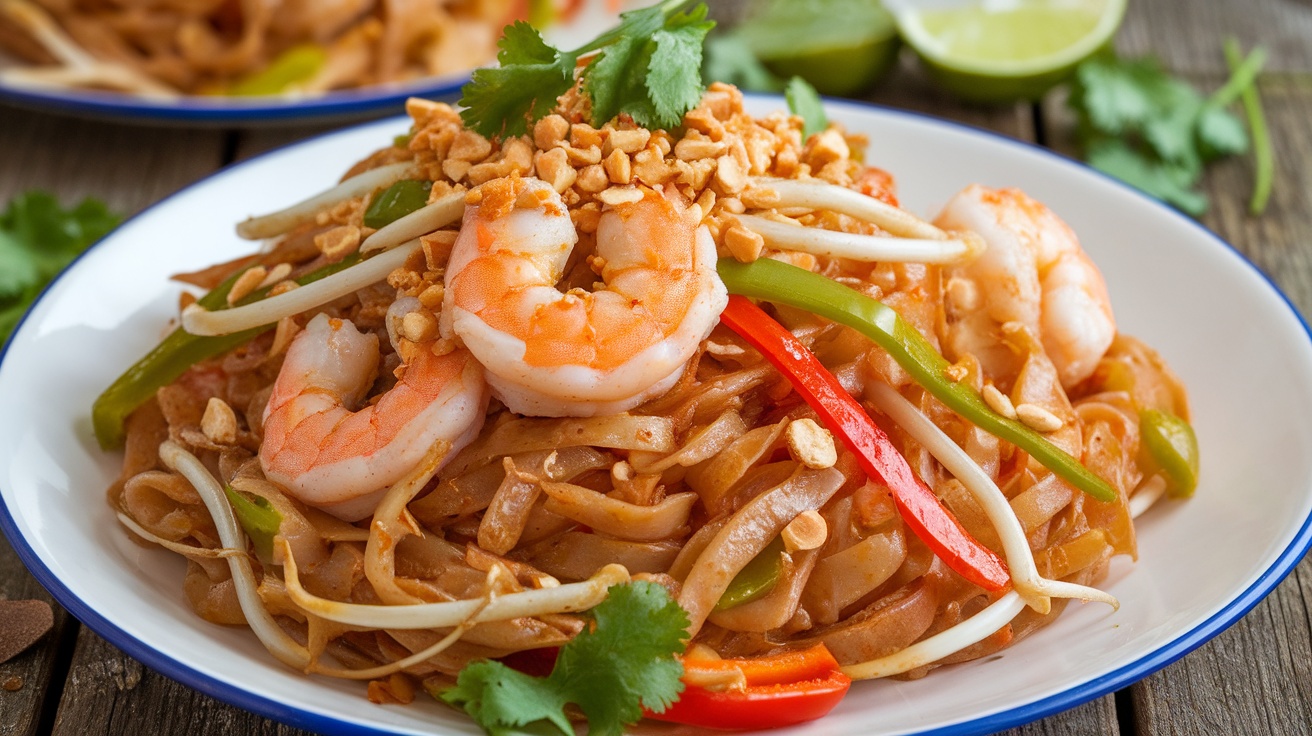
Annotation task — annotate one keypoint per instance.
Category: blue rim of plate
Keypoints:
(1076, 695)
(376, 100)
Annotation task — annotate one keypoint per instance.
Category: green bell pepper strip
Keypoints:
(175, 354)
(258, 518)
(1171, 447)
(782, 283)
(293, 66)
(756, 579)
(396, 201)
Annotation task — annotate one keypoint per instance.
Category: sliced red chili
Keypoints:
(877, 456)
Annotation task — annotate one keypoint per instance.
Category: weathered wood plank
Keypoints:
(1095, 717)
(30, 673)
(108, 692)
(1187, 36)
(126, 166)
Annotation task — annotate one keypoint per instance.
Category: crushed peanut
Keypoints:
(998, 401)
(807, 530)
(276, 274)
(620, 195)
(339, 242)
(246, 283)
(219, 423)
(419, 326)
(810, 444)
(1037, 418)
(743, 244)
(618, 167)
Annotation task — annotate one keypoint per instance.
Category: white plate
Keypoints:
(1241, 349)
(338, 105)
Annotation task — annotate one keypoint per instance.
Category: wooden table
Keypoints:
(1254, 678)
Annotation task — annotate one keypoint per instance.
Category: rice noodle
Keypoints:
(618, 518)
(747, 533)
(972, 630)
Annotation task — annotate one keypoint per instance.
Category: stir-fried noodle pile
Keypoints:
(246, 47)
(521, 521)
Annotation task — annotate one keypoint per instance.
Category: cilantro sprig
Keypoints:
(611, 671)
(649, 67)
(1155, 131)
(37, 239)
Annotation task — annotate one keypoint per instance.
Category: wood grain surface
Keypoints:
(1255, 678)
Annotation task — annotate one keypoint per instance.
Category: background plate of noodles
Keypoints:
(253, 61)
(1244, 353)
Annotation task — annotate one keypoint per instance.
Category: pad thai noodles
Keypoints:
(461, 395)
(251, 47)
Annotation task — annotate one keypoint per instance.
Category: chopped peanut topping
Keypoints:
(219, 423)
(1038, 418)
(807, 530)
(810, 444)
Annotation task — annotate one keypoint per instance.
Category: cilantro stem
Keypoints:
(1263, 156)
(1242, 77)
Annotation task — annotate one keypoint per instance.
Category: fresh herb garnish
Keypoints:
(648, 66)
(805, 102)
(1154, 131)
(1263, 156)
(611, 671)
(37, 239)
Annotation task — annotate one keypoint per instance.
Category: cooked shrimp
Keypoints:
(339, 459)
(1033, 272)
(580, 353)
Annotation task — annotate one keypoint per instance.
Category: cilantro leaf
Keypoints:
(674, 74)
(1220, 133)
(648, 67)
(1172, 185)
(38, 238)
(805, 102)
(651, 70)
(611, 671)
(493, 693)
(501, 100)
(1154, 131)
(729, 59)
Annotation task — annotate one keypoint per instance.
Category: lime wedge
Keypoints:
(841, 47)
(1003, 50)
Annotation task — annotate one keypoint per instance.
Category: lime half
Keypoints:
(841, 47)
(1002, 50)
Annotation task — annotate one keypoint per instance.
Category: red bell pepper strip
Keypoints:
(875, 453)
(781, 690)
